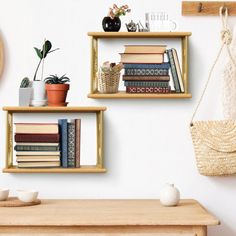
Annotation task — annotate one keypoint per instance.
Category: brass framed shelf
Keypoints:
(99, 111)
(95, 36)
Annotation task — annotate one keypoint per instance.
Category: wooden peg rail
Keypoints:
(210, 8)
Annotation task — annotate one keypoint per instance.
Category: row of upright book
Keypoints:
(147, 71)
(44, 145)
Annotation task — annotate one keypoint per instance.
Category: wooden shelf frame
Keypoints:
(99, 111)
(95, 36)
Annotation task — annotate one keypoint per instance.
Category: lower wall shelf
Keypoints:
(125, 95)
(82, 169)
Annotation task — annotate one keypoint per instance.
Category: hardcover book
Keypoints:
(39, 138)
(36, 148)
(147, 90)
(147, 72)
(164, 65)
(141, 58)
(173, 70)
(77, 142)
(145, 48)
(39, 164)
(71, 143)
(162, 84)
(37, 158)
(34, 153)
(36, 128)
(146, 78)
(64, 140)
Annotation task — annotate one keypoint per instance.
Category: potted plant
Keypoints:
(57, 89)
(25, 92)
(38, 85)
(112, 22)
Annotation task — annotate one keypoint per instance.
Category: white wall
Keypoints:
(147, 142)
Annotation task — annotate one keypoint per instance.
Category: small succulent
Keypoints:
(25, 83)
(54, 79)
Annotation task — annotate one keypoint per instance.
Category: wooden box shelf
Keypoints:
(10, 168)
(95, 36)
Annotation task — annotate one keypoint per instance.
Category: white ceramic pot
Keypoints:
(25, 96)
(27, 195)
(39, 93)
(169, 195)
(4, 194)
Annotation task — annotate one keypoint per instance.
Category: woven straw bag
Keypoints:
(109, 81)
(215, 141)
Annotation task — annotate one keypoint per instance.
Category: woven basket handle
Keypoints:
(226, 38)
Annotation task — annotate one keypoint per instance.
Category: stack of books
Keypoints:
(70, 131)
(48, 144)
(146, 71)
(37, 145)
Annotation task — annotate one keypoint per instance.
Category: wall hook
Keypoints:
(199, 9)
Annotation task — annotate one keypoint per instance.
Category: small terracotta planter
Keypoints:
(56, 94)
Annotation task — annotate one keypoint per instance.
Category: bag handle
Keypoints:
(226, 38)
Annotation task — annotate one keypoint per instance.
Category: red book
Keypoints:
(130, 89)
(39, 138)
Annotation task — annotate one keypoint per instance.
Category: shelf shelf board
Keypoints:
(82, 169)
(53, 109)
(139, 34)
(125, 95)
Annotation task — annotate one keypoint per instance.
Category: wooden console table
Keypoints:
(107, 218)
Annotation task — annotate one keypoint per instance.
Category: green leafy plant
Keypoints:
(42, 53)
(25, 83)
(54, 79)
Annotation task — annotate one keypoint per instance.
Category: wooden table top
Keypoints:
(106, 213)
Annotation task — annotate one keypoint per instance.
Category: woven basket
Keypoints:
(109, 82)
(215, 147)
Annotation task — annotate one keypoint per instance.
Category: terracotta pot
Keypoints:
(57, 94)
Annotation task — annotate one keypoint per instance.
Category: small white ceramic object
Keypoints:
(4, 192)
(169, 195)
(39, 94)
(27, 195)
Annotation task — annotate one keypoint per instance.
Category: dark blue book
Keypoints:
(63, 141)
(173, 70)
(164, 65)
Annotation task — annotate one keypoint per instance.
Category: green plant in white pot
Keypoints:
(38, 85)
(25, 92)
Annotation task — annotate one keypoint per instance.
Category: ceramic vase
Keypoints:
(169, 195)
(111, 25)
(38, 94)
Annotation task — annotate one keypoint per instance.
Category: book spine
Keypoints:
(63, 141)
(164, 65)
(173, 70)
(77, 142)
(71, 144)
(146, 78)
(146, 72)
(161, 84)
(130, 89)
(36, 148)
(39, 138)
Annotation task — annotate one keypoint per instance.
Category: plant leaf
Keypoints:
(46, 48)
(38, 52)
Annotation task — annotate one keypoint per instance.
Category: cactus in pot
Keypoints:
(25, 92)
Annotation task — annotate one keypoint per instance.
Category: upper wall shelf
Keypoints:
(95, 36)
(139, 34)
